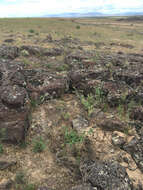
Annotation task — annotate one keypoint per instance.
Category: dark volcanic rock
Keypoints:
(135, 148)
(111, 124)
(117, 92)
(13, 95)
(39, 51)
(10, 40)
(105, 175)
(47, 86)
(130, 76)
(4, 163)
(88, 81)
(137, 113)
(14, 103)
(9, 52)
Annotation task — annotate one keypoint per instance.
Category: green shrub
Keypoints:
(1, 148)
(77, 27)
(20, 178)
(31, 31)
(39, 145)
(72, 137)
(29, 187)
(88, 103)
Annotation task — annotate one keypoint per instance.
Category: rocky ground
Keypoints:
(70, 118)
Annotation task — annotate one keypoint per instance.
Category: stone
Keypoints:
(135, 148)
(137, 113)
(111, 124)
(8, 52)
(5, 163)
(105, 175)
(118, 138)
(80, 124)
(10, 40)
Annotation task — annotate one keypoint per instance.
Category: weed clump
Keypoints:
(72, 137)
(39, 145)
(77, 27)
(1, 148)
(31, 31)
(88, 103)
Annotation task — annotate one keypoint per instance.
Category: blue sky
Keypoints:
(27, 8)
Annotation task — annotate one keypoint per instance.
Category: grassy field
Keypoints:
(104, 30)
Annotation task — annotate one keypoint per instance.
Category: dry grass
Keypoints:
(105, 30)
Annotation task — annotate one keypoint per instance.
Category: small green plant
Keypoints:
(3, 133)
(99, 95)
(77, 27)
(23, 144)
(20, 178)
(39, 145)
(121, 110)
(21, 182)
(31, 31)
(72, 137)
(65, 115)
(63, 67)
(27, 62)
(29, 187)
(88, 103)
(1, 148)
(33, 103)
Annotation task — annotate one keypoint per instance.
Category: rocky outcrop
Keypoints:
(14, 103)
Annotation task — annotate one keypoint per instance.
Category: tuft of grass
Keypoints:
(29, 187)
(77, 27)
(33, 103)
(1, 148)
(31, 31)
(65, 115)
(72, 137)
(39, 145)
(121, 110)
(88, 103)
(20, 178)
(99, 95)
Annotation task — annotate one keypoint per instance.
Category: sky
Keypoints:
(36, 8)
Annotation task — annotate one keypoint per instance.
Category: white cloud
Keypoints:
(11, 8)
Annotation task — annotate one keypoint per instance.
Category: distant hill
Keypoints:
(132, 18)
(92, 14)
